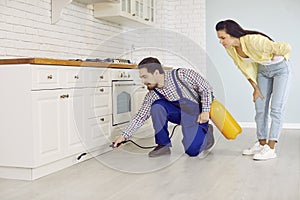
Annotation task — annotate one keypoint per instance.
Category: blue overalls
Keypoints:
(184, 112)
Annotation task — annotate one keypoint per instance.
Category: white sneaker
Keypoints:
(265, 154)
(253, 150)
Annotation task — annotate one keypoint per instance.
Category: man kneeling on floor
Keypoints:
(179, 96)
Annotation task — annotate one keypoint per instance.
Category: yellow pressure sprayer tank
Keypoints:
(223, 120)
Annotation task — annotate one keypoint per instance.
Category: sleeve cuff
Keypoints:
(126, 136)
(205, 109)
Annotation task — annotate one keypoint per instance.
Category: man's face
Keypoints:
(148, 79)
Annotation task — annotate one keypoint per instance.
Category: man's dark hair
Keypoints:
(151, 64)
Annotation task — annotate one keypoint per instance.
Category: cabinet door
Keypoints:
(47, 108)
(59, 117)
(144, 10)
(137, 100)
(149, 8)
(97, 133)
(126, 6)
(132, 13)
(75, 121)
(99, 101)
(138, 6)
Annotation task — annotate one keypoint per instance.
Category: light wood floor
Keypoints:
(128, 173)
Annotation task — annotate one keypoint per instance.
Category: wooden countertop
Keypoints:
(49, 61)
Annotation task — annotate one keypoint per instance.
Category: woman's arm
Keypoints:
(256, 92)
(263, 44)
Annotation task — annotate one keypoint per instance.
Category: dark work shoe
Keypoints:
(210, 139)
(160, 150)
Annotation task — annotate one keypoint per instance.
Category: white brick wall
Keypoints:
(26, 31)
(186, 17)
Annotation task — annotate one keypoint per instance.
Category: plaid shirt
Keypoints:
(193, 80)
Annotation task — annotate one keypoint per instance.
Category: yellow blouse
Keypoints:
(259, 49)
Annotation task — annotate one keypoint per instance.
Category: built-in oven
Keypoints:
(125, 84)
(122, 92)
(128, 93)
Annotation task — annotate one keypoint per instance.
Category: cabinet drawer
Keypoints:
(73, 77)
(98, 77)
(45, 77)
(99, 100)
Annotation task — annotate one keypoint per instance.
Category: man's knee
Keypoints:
(158, 106)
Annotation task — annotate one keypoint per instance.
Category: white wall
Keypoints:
(26, 30)
(278, 19)
(179, 34)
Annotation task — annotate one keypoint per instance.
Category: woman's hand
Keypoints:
(203, 117)
(257, 94)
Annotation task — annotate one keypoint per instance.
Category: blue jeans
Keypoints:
(194, 134)
(274, 83)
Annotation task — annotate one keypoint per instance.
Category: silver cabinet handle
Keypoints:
(64, 96)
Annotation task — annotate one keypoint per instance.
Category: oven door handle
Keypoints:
(126, 84)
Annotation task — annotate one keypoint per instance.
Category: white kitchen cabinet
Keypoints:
(98, 77)
(138, 97)
(73, 77)
(58, 5)
(98, 126)
(98, 133)
(48, 121)
(99, 101)
(45, 78)
(49, 115)
(58, 77)
(132, 13)
(56, 125)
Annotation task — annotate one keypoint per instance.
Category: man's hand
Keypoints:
(118, 140)
(203, 117)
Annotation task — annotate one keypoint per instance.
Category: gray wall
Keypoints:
(278, 19)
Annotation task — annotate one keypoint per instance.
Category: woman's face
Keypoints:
(225, 39)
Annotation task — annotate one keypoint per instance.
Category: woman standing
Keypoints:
(265, 64)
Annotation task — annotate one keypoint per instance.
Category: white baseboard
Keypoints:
(285, 125)
(30, 174)
(247, 124)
